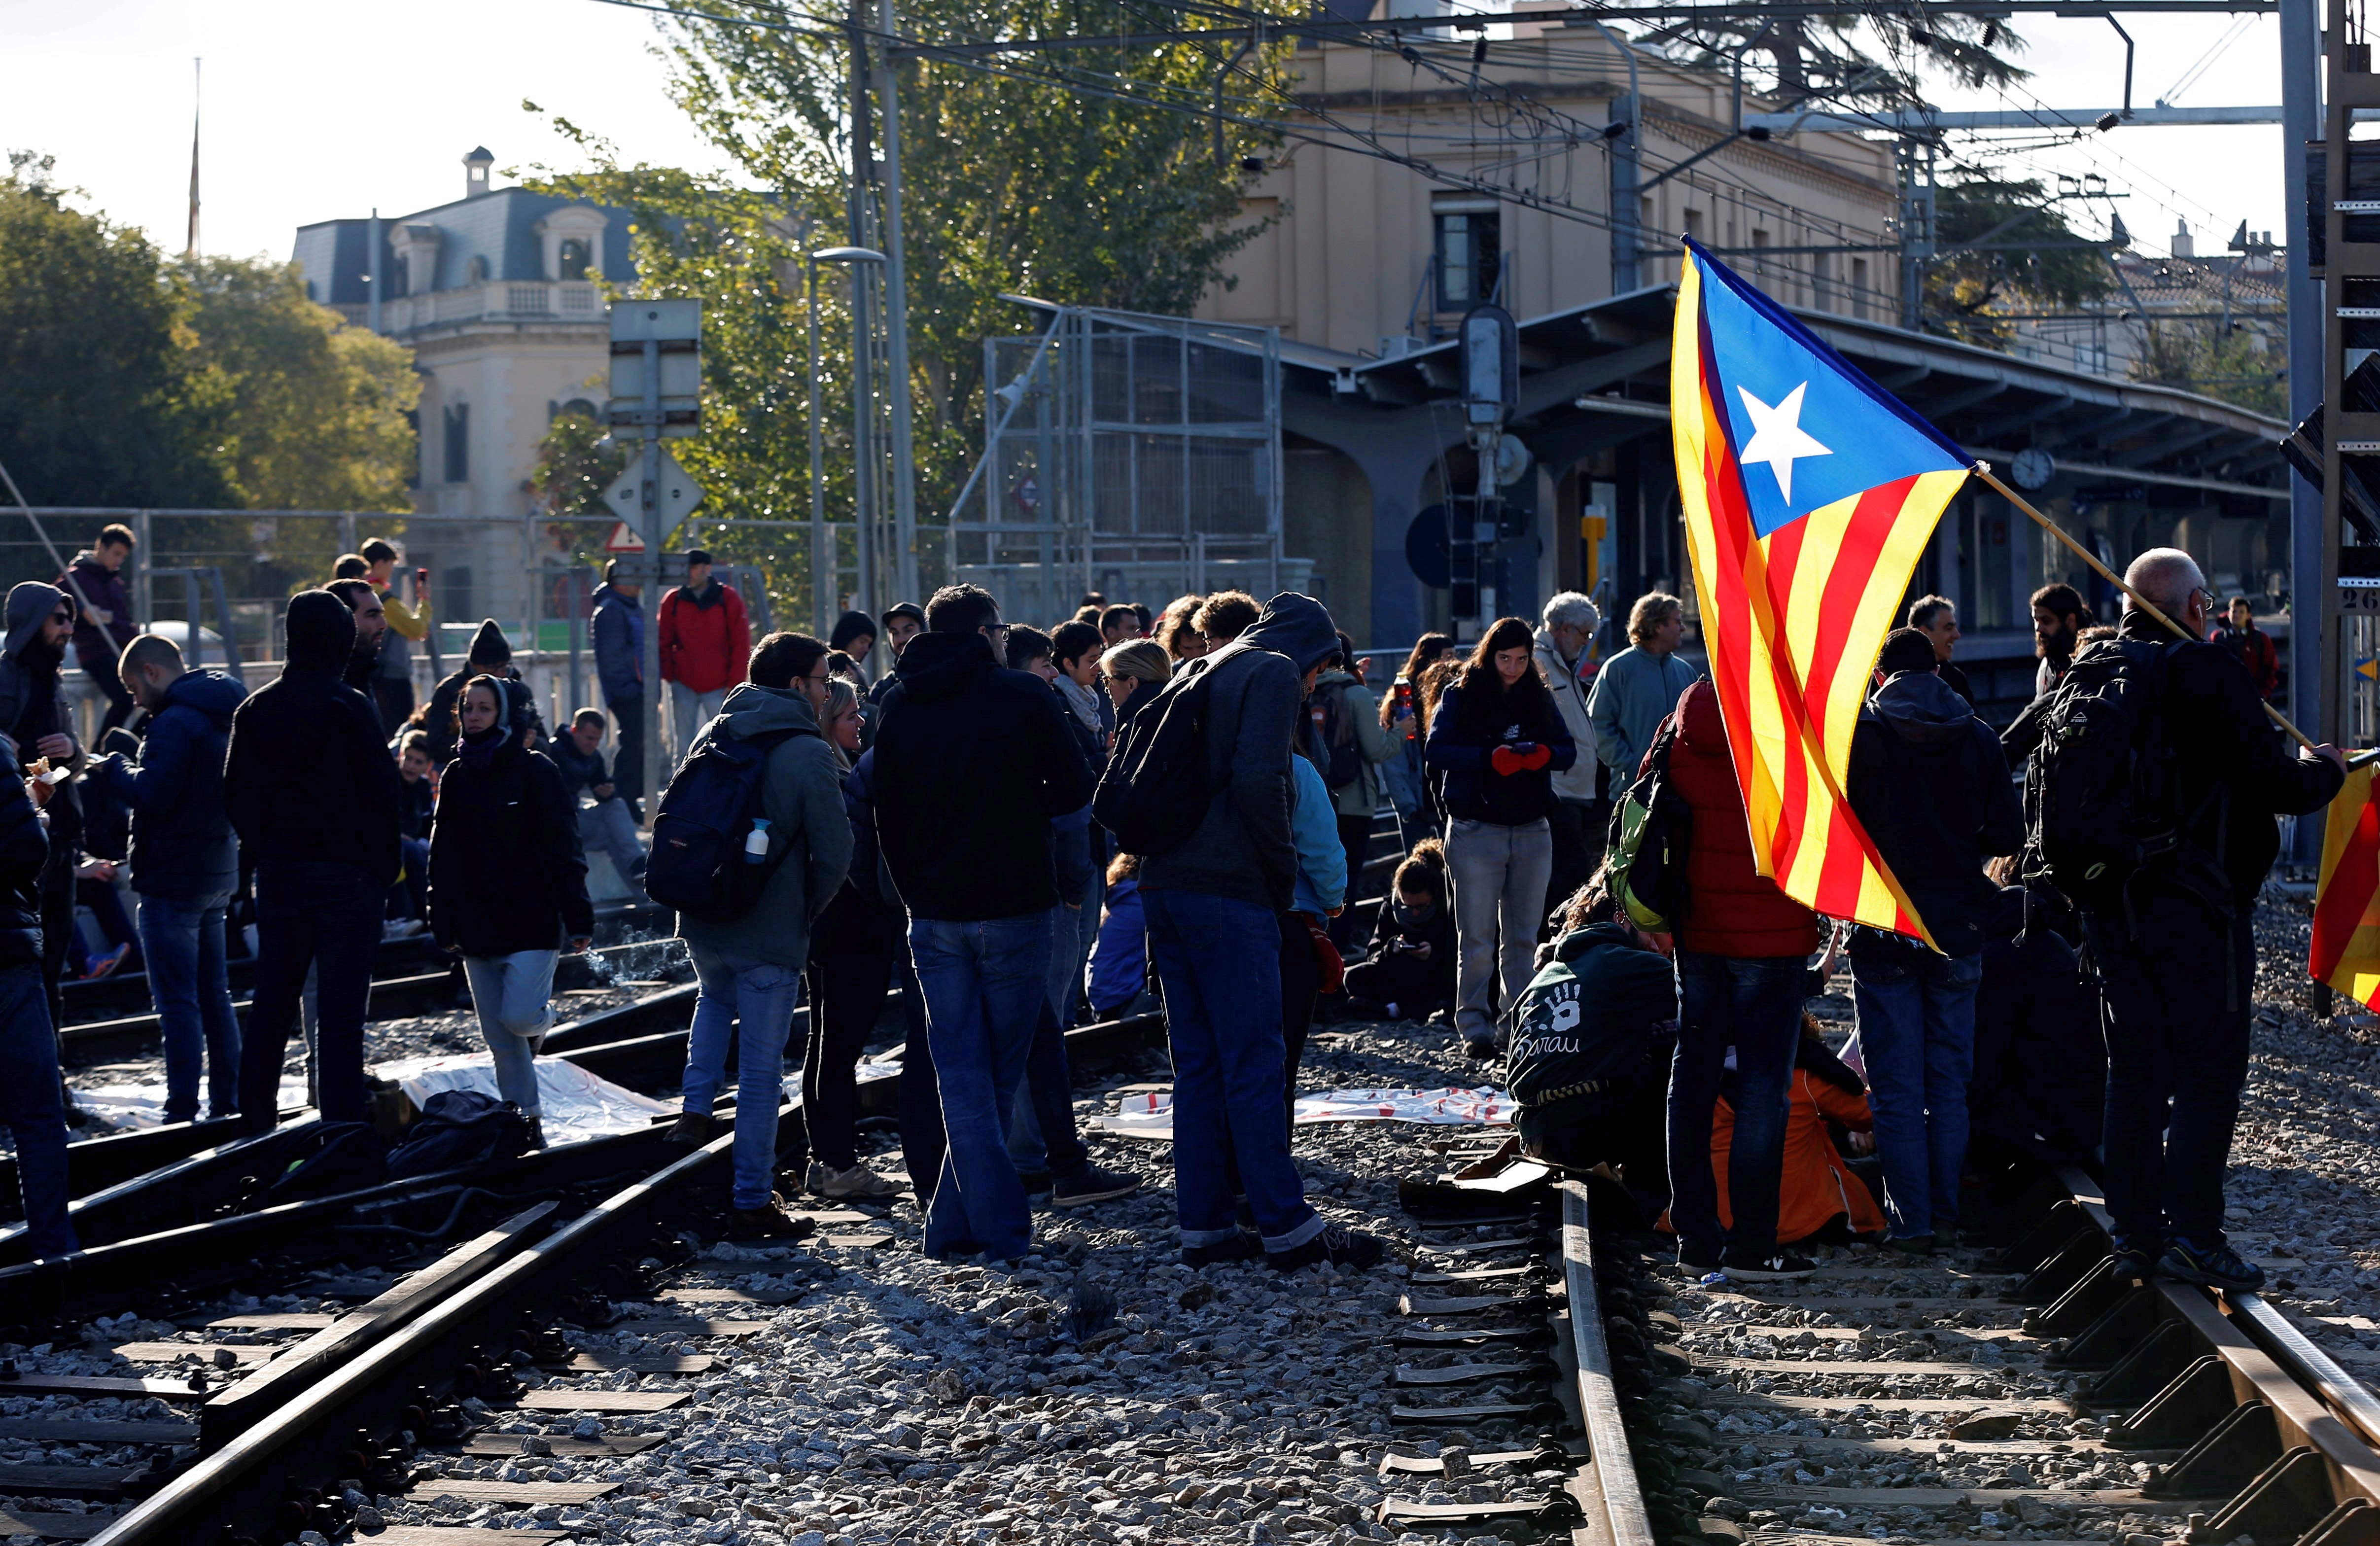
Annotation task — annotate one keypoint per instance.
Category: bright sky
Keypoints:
(315, 111)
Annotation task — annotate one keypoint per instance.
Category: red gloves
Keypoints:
(1527, 756)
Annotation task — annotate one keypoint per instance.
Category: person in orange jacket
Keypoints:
(1816, 1188)
(705, 639)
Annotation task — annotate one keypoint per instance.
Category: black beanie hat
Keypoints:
(489, 646)
(321, 631)
(850, 625)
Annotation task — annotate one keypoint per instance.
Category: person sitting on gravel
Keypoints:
(1213, 904)
(1590, 1034)
(1410, 973)
(1743, 951)
(508, 886)
(605, 824)
(1119, 978)
(1819, 1198)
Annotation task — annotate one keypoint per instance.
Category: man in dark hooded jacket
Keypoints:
(1213, 905)
(185, 865)
(314, 796)
(40, 619)
(31, 1104)
(1930, 785)
(972, 762)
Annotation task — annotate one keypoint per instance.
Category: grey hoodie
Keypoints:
(1242, 848)
(801, 794)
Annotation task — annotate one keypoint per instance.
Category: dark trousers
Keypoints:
(1356, 838)
(1415, 987)
(325, 915)
(1301, 979)
(57, 886)
(847, 989)
(628, 760)
(1050, 1085)
(1753, 1003)
(101, 668)
(393, 697)
(920, 1096)
(2174, 1008)
(1578, 848)
(31, 1106)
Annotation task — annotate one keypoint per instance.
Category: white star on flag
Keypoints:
(1778, 437)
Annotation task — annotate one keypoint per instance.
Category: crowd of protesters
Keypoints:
(1008, 829)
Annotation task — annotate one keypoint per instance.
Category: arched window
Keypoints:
(400, 277)
(478, 268)
(574, 259)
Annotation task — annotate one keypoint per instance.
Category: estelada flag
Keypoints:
(1810, 493)
(2345, 948)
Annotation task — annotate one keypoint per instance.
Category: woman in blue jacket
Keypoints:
(1496, 741)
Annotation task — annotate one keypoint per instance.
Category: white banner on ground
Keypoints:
(574, 1103)
(1149, 1114)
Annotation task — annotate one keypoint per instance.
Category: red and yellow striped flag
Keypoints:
(1810, 493)
(2345, 948)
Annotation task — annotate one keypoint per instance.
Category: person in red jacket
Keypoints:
(705, 639)
(1744, 948)
(2252, 647)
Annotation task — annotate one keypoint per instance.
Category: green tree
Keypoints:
(2005, 247)
(1871, 58)
(2238, 365)
(314, 412)
(1013, 180)
(576, 462)
(102, 398)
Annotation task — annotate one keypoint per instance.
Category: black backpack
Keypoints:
(698, 866)
(1154, 791)
(1338, 754)
(460, 1127)
(2103, 793)
(1646, 849)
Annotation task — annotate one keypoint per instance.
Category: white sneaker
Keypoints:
(858, 1182)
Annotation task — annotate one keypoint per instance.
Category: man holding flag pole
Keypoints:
(1809, 494)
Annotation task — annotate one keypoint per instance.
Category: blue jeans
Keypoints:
(182, 939)
(514, 997)
(689, 712)
(1753, 1003)
(1219, 962)
(29, 1105)
(984, 983)
(1046, 1101)
(756, 1000)
(1917, 1032)
(325, 916)
(607, 825)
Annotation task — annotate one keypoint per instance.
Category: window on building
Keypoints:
(413, 463)
(477, 268)
(400, 277)
(1694, 224)
(458, 443)
(1469, 252)
(1859, 287)
(574, 259)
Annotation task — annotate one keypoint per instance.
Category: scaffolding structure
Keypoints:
(1136, 456)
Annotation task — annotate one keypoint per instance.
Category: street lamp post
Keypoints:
(863, 449)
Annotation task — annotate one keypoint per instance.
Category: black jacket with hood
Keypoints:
(1930, 785)
(1242, 848)
(972, 762)
(506, 871)
(182, 843)
(1586, 1026)
(24, 850)
(307, 779)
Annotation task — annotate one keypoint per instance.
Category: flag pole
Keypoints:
(1984, 471)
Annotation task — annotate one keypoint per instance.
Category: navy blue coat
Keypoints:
(619, 631)
(182, 841)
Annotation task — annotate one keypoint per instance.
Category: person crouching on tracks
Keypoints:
(30, 1101)
(313, 795)
(1410, 973)
(2171, 940)
(1930, 783)
(750, 963)
(507, 886)
(1590, 1034)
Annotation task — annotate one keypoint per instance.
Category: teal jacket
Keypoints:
(1633, 692)
(1314, 826)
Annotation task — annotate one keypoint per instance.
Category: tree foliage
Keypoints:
(2238, 365)
(101, 402)
(313, 412)
(1014, 180)
(1873, 57)
(2005, 247)
(576, 462)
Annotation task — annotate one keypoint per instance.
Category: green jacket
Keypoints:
(1362, 797)
(1582, 1027)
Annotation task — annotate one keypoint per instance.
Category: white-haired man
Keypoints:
(1570, 620)
(2177, 959)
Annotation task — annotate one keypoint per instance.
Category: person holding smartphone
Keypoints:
(407, 624)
